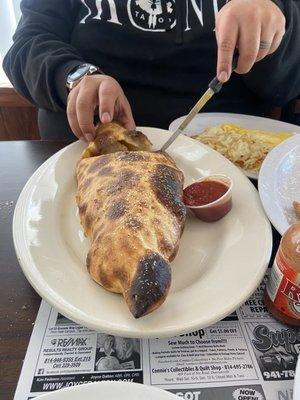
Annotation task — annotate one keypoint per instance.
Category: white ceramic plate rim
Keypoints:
(267, 181)
(78, 315)
(228, 117)
(110, 388)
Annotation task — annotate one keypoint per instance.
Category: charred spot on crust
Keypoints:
(134, 223)
(121, 276)
(126, 179)
(132, 156)
(94, 167)
(104, 279)
(97, 164)
(150, 284)
(165, 246)
(97, 204)
(117, 210)
(127, 176)
(88, 261)
(82, 208)
(88, 221)
(86, 183)
(105, 171)
(167, 187)
(112, 188)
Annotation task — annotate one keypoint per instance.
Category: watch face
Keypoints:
(79, 72)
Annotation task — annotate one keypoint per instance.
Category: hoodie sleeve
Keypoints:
(277, 78)
(41, 56)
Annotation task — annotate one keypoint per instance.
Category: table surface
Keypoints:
(19, 303)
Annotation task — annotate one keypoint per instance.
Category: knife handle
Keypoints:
(215, 85)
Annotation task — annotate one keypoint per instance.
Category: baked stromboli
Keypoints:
(130, 205)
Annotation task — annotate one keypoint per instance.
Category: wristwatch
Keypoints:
(80, 72)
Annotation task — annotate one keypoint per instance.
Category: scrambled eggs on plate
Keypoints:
(247, 148)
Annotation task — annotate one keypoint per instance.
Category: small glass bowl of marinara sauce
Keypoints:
(210, 198)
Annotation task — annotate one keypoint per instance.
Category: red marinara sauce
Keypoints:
(209, 199)
(204, 192)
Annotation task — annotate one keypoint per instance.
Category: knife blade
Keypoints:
(214, 87)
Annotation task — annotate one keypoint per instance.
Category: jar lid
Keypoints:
(290, 246)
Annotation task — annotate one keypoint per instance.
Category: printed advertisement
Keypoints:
(218, 353)
(71, 355)
(249, 392)
(276, 349)
(246, 356)
(254, 308)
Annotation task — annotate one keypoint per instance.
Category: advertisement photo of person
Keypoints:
(128, 353)
(105, 354)
(117, 353)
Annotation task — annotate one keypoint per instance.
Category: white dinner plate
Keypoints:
(279, 183)
(207, 120)
(110, 391)
(217, 267)
(296, 391)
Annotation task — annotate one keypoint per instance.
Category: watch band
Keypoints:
(91, 70)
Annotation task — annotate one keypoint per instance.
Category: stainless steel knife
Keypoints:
(214, 87)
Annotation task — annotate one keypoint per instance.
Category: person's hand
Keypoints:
(97, 93)
(255, 27)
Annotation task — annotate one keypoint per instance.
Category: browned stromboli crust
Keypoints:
(130, 205)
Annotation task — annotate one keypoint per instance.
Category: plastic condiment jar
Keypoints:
(282, 296)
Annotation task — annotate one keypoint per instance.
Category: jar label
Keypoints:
(283, 288)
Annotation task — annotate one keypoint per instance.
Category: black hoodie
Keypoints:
(163, 53)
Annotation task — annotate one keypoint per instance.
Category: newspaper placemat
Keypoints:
(246, 356)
